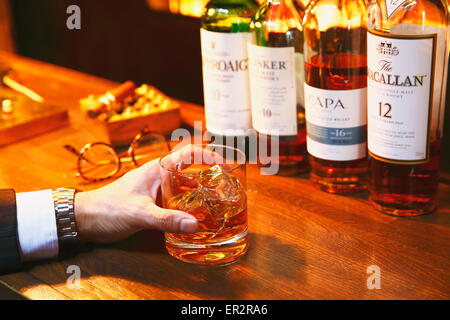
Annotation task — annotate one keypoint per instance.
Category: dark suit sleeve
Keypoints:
(9, 247)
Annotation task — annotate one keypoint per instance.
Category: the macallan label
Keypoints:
(226, 82)
(400, 75)
(273, 90)
(336, 123)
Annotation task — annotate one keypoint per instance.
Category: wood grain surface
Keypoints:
(304, 244)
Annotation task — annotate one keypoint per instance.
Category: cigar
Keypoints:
(104, 102)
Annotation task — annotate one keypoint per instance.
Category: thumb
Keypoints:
(169, 220)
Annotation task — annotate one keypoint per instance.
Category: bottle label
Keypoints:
(226, 82)
(273, 90)
(336, 123)
(400, 78)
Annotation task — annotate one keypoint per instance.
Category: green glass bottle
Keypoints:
(224, 38)
(276, 83)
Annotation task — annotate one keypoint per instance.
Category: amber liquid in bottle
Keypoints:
(336, 74)
(277, 25)
(401, 183)
(292, 158)
(405, 190)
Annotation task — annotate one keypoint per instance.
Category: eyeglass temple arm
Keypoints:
(71, 149)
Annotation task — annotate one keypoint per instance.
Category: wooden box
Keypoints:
(122, 130)
(29, 118)
(147, 108)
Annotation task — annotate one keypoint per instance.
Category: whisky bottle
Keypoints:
(335, 41)
(224, 37)
(276, 84)
(407, 75)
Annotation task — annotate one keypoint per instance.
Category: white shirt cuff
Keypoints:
(36, 225)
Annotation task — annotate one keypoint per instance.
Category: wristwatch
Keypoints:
(63, 199)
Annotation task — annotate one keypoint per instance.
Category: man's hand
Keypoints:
(126, 206)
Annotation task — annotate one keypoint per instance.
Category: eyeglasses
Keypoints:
(99, 161)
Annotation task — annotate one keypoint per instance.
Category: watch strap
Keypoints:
(63, 199)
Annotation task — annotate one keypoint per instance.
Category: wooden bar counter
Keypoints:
(304, 244)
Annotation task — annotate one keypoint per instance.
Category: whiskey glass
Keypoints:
(208, 182)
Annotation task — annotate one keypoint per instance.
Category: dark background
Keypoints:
(119, 40)
(125, 40)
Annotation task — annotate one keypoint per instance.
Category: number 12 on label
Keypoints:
(386, 108)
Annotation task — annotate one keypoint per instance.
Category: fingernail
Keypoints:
(188, 225)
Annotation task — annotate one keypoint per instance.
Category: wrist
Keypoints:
(90, 213)
(81, 205)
